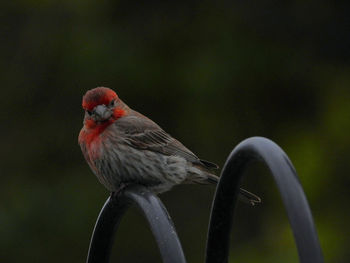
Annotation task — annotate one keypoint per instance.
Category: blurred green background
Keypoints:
(211, 74)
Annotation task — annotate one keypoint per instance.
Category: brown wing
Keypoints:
(142, 133)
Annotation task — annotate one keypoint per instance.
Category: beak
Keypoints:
(102, 113)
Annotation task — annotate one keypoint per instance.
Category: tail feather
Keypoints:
(209, 165)
(212, 178)
(248, 197)
(244, 195)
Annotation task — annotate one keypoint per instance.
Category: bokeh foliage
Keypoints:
(211, 74)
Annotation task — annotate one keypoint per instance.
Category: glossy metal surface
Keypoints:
(160, 223)
(291, 191)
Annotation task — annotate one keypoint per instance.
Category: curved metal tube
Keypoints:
(291, 191)
(160, 223)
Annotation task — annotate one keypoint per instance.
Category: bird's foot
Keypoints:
(116, 194)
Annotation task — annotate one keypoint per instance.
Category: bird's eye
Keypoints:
(112, 103)
(89, 112)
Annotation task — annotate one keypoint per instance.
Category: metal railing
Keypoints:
(221, 219)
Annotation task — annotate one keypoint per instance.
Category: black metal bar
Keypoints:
(159, 220)
(291, 191)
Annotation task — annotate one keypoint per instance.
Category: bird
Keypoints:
(124, 147)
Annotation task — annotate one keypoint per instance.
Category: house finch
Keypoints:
(124, 147)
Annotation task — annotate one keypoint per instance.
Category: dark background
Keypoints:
(211, 74)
